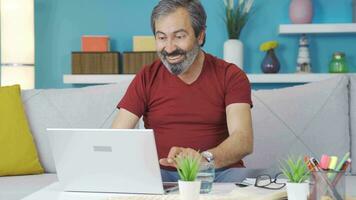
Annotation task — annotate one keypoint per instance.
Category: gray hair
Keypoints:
(194, 7)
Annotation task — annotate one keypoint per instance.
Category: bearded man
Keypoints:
(193, 101)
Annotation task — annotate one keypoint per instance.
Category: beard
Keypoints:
(180, 67)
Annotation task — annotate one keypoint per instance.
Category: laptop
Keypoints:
(107, 160)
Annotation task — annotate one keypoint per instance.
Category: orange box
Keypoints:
(95, 43)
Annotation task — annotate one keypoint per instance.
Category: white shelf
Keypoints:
(254, 78)
(288, 78)
(317, 28)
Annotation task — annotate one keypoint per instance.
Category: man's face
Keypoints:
(176, 43)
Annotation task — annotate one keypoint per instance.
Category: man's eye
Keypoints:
(180, 37)
(161, 38)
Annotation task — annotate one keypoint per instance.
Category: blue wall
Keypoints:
(61, 23)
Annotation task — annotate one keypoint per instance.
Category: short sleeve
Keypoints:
(237, 87)
(134, 99)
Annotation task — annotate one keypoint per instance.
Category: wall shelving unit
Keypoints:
(317, 28)
(284, 29)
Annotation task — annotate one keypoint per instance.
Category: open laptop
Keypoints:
(107, 160)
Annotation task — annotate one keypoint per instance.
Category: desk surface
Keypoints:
(55, 192)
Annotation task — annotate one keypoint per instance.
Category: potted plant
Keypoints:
(297, 172)
(236, 17)
(188, 168)
(270, 63)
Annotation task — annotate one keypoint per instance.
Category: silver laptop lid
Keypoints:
(106, 160)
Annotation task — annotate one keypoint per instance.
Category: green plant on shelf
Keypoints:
(236, 16)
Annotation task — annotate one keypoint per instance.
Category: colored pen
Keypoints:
(346, 165)
(333, 162)
(341, 173)
(339, 167)
(315, 164)
(342, 162)
(308, 163)
(324, 161)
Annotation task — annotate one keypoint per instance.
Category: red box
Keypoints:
(95, 43)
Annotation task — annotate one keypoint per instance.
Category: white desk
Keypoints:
(55, 192)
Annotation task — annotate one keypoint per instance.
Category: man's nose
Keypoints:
(170, 47)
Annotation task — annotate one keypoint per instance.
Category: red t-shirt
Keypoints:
(187, 115)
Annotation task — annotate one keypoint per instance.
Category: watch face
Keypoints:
(208, 156)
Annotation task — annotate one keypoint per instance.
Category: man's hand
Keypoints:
(174, 152)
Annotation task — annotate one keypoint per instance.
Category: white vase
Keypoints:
(297, 191)
(189, 190)
(234, 52)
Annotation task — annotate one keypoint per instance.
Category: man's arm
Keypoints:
(232, 149)
(240, 142)
(125, 120)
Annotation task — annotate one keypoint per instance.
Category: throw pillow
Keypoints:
(18, 155)
(310, 119)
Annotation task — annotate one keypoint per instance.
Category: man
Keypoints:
(192, 100)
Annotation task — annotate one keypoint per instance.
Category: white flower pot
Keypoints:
(297, 191)
(189, 190)
(234, 52)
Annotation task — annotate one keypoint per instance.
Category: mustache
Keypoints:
(176, 52)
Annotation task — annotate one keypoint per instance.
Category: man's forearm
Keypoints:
(234, 148)
(124, 120)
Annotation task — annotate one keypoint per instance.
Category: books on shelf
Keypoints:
(95, 43)
(134, 61)
(144, 43)
(95, 62)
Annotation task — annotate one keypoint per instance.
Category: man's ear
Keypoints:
(201, 38)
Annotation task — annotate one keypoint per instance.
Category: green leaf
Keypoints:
(188, 167)
(236, 18)
(295, 170)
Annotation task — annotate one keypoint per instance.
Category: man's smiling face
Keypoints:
(176, 43)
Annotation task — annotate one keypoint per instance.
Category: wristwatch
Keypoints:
(208, 156)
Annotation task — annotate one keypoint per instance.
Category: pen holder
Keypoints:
(327, 185)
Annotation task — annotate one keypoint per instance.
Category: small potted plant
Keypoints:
(270, 63)
(188, 168)
(297, 172)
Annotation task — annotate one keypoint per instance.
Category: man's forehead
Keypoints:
(173, 22)
(174, 32)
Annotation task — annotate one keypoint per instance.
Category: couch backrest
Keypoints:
(310, 119)
(89, 107)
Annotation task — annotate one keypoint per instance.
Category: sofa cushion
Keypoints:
(311, 119)
(17, 187)
(89, 107)
(17, 150)
(353, 119)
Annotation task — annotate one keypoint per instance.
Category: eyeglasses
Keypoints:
(265, 181)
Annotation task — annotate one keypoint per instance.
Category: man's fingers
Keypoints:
(177, 151)
(165, 162)
(190, 152)
(173, 152)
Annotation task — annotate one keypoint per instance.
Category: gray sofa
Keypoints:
(312, 119)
